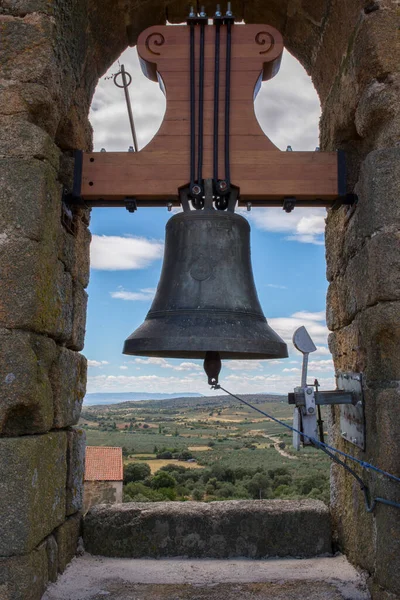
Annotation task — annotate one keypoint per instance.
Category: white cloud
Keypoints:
(306, 225)
(238, 383)
(117, 253)
(244, 365)
(320, 365)
(145, 294)
(97, 363)
(123, 367)
(313, 322)
(322, 351)
(164, 364)
(288, 109)
(310, 316)
(293, 370)
(275, 286)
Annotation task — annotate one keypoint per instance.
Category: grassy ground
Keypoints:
(215, 431)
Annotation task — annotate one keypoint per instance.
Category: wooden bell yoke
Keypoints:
(210, 75)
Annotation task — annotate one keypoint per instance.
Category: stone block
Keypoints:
(67, 536)
(342, 21)
(376, 49)
(36, 291)
(75, 470)
(32, 101)
(378, 268)
(378, 112)
(251, 529)
(380, 338)
(377, 210)
(25, 389)
(77, 340)
(370, 344)
(74, 251)
(29, 193)
(378, 191)
(24, 577)
(27, 49)
(21, 7)
(21, 139)
(52, 557)
(68, 380)
(33, 474)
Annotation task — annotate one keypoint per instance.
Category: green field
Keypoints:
(243, 447)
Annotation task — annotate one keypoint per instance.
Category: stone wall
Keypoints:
(102, 492)
(53, 53)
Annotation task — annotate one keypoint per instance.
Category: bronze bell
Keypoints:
(206, 300)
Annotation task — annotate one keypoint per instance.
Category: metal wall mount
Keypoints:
(352, 418)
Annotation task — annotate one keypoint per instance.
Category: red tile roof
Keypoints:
(103, 463)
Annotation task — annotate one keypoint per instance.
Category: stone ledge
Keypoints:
(235, 528)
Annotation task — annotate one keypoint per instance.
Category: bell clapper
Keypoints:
(212, 367)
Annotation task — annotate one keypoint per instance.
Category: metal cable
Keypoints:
(201, 108)
(192, 109)
(228, 101)
(328, 450)
(216, 101)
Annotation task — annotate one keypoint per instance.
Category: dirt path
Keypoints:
(276, 442)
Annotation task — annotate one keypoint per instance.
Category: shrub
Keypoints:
(259, 486)
(136, 472)
(165, 455)
(163, 480)
(198, 494)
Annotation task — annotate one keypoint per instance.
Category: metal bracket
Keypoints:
(352, 418)
(131, 204)
(307, 398)
(289, 204)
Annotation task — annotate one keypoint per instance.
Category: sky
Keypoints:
(288, 252)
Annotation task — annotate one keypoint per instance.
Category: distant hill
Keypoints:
(117, 398)
(172, 401)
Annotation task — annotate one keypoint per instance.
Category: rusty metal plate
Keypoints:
(352, 420)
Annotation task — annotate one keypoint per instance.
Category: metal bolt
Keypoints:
(309, 391)
(289, 149)
(344, 433)
(169, 206)
(202, 12)
(196, 190)
(229, 11)
(223, 186)
(248, 206)
(354, 440)
(310, 410)
(103, 150)
(218, 11)
(131, 149)
(192, 13)
(317, 149)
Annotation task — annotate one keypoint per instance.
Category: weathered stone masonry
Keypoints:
(52, 54)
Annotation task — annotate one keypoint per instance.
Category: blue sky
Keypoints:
(288, 252)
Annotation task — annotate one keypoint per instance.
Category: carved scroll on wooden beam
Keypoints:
(262, 172)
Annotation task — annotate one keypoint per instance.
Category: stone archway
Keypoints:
(53, 54)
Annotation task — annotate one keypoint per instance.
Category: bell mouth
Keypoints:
(233, 336)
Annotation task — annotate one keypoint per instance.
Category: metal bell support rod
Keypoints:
(307, 398)
(125, 84)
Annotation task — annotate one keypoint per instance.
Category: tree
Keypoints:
(198, 494)
(259, 486)
(136, 472)
(163, 480)
(165, 455)
(185, 455)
